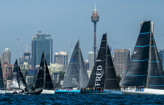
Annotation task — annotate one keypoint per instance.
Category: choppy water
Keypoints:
(80, 99)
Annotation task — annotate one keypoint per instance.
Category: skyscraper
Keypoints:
(41, 43)
(6, 57)
(121, 58)
(91, 59)
(161, 55)
(94, 19)
(61, 58)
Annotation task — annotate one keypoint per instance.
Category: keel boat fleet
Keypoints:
(143, 75)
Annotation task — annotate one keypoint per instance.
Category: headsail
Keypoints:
(137, 69)
(1, 78)
(83, 72)
(21, 80)
(40, 77)
(98, 73)
(48, 81)
(111, 81)
(15, 79)
(155, 73)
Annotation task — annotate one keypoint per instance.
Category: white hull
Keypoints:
(144, 91)
(48, 91)
(2, 91)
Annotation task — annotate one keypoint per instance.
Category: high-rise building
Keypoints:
(95, 19)
(61, 58)
(25, 58)
(86, 64)
(6, 57)
(42, 43)
(91, 59)
(161, 55)
(121, 58)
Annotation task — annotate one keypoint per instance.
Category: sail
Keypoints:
(111, 81)
(40, 77)
(1, 78)
(137, 69)
(15, 79)
(71, 78)
(98, 73)
(83, 73)
(21, 80)
(48, 82)
(156, 73)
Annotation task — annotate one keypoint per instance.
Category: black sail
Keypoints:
(1, 78)
(83, 73)
(98, 73)
(48, 81)
(71, 78)
(15, 78)
(40, 77)
(22, 82)
(156, 73)
(137, 69)
(111, 81)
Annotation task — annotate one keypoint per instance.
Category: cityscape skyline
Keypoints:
(121, 21)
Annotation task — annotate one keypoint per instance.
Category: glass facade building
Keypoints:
(42, 43)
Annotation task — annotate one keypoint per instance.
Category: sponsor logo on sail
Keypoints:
(99, 74)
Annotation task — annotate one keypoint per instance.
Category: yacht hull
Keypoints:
(143, 91)
(67, 91)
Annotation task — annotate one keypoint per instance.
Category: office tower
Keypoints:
(25, 58)
(121, 58)
(41, 43)
(91, 59)
(86, 64)
(6, 57)
(61, 58)
(95, 19)
(161, 55)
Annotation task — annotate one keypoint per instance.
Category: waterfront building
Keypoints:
(86, 64)
(61, 58)
(42, 43)
(26, 58)
(6, 57)
(121, 58)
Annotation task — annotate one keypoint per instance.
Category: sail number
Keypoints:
(99, 74)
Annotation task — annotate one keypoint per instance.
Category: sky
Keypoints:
(70, 20)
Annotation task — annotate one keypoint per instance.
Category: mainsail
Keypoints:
(97, 76)
(155, 72)
(40, 77)
(137, 69)
(47, 82)
(103, 74)
(15, 78)
(76, 75)
(1, 78)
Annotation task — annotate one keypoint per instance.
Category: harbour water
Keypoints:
(83, 99)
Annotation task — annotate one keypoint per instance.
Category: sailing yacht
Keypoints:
(18, 83)
(144, 74)
(103, 78)
(43, 80)
(2, 88)
(76, 76)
